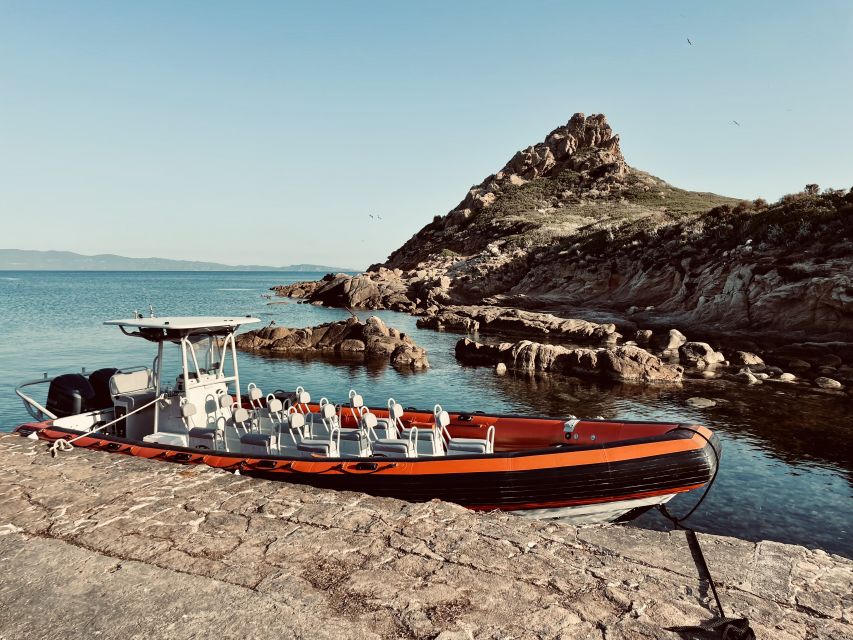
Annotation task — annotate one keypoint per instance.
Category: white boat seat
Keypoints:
(423, 434)
(131, 382)
(468, 445)
(405, 448)
(255, 395)
(205, 437)
(203, 433)
(461, 446)
(241, 417)
(353, 435)
(322, 447)
(256, 443)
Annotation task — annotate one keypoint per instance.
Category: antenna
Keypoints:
(151, 309)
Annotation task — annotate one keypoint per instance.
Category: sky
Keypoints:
(268, 132)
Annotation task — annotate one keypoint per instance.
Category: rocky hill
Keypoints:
(567, 225)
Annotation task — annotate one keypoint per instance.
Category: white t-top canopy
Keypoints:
(185, 323)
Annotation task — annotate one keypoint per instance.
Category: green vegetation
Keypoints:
(794, 221)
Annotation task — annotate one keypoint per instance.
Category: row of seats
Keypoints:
(290, 427)
(270, 426)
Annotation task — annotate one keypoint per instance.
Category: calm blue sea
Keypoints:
(787, 467)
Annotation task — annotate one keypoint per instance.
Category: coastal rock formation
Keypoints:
(699, 354)
(220, 555)
(567, 222)
(301, 289)
(371, 338)
(528, 323)
(382, 289)
(619, 364)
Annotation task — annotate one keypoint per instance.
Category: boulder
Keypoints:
(699, 354)
(827, 383)
(298, 289)
(746, 376)
(787, 377)
(675, 340)
(352, 345)
(746, 358)
(619, 364)
(701, 403)
(371, 338)
(409, 356)
(450, 320)
(643, 336)
(500, 368)
(799, 365)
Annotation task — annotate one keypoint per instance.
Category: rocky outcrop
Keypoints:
(567, 222)
(585, 148)
(528, 323)
(619, 364)
(371, 338)
(220, 555)
(302, 289)
(581, 145)
(381, 289)
(699, 354)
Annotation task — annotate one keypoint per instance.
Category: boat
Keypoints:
(579, 470)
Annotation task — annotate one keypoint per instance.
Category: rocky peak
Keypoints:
(586, 145)
(577, 161)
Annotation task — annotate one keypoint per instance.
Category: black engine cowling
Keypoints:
(69, 394)
(100, 381)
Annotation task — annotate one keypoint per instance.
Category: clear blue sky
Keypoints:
(266, 132)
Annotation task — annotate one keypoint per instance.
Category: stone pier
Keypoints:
(97, 545)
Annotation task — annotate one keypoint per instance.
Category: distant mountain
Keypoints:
(26, 260)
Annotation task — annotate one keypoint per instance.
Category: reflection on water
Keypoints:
(786, 469)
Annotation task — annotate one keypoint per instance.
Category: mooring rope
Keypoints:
(718, 627)
(61, 444)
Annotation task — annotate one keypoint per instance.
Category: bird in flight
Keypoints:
(736, 122)
(371, 215)
(689, 42)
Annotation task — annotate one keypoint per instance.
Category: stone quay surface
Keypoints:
(98, 545)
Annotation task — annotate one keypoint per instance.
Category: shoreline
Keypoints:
(800, 359)
(207, 549)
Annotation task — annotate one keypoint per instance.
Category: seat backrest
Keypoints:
(328, 412)
(297, 420)
(274, 405)
(240, 416)
(368, 421)
(396, 411)
(130, 382)
(254, 393)
(442, 419)
(356, 401)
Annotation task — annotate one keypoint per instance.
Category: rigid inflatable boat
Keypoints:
(579, 470)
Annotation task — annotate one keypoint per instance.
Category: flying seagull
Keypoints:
(371, 215)
(736, 122)
(688, 42)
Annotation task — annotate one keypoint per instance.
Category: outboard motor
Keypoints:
(100, 381)
(69, 394)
